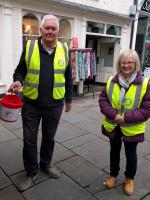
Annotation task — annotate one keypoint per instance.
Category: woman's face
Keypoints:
(127, 66)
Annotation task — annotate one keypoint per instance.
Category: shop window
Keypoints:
(146, 63)
(64, 31)
(30, 28)
(94, 27)
(113, 30)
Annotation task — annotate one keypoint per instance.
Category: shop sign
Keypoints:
(146, 6)
(74, 42)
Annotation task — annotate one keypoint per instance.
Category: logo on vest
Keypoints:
(61, 62)
(126, 101)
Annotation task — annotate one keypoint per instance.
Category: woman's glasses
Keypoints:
(127, 63)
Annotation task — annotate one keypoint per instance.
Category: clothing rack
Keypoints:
(82, 50)
(87, 80)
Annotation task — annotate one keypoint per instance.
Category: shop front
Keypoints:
(142, 45)
(105, 39)
(103, 32)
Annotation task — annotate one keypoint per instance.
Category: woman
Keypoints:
(125, 102)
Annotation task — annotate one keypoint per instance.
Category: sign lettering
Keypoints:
(146, 6)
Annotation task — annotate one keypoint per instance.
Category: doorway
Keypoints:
(106, 51)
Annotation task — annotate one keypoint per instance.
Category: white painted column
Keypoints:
(82, 40)
(17, 35)
(7, 44)
(135, 25)
(125, 37)
(2, 84)
(82, 36)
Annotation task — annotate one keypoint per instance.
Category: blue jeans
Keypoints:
(31, 117)
(130, 152)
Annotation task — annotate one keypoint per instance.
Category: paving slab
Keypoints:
(10, 193)
(147, 197)
(147, 131)
(111, 194)
(4, 180)
(62, 188)
(137, 195)
(78, 141)
(18, 132)
(73, 117)
(97, 185)
(96, 152)
(147, 156)
(80, 170)
(143, 149)
(6, 135)
(92, 114)
(78, 108)
(142, 178)
(12, 125)
(91, 125)
(41, 176)
(61, 153)
(11, 156)
(67, 131)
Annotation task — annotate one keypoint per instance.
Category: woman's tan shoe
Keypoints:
(128, 186)
(110, 182)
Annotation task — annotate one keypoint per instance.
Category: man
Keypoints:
(45, 75)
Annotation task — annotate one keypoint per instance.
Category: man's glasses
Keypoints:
(127, 63)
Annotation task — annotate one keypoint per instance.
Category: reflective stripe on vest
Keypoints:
(133, 99)
(32, 58)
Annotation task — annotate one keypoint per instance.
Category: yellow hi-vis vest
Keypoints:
(32, 58)
(132, 100)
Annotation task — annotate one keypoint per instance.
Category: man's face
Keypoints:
(49, 31)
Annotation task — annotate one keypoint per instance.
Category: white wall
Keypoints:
(118, 6)
(12, 11)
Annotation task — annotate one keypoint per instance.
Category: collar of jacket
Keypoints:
(138, 80)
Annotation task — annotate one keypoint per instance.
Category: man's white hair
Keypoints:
(49, 17)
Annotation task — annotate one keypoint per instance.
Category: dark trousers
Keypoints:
(31, 117)
(130, 152)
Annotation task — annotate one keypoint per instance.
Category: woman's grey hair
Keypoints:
(49, 17)
(126, 55)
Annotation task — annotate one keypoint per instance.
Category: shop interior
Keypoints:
(105, 48)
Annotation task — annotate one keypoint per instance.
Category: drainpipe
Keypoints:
(135, 25)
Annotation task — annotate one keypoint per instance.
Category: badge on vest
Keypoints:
(60, 62)
(126, 101)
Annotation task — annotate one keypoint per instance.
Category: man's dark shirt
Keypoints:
(46, 79)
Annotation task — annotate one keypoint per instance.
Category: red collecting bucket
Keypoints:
(10, 107)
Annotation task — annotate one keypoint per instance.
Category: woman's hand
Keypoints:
(119, 119)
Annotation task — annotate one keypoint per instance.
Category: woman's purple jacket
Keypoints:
(136, 115)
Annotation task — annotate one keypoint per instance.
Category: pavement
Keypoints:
(81, 155)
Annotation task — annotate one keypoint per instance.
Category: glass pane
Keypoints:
(94, 27)
(140, 37)
(30, 28)
(146, 63)
(113, 30)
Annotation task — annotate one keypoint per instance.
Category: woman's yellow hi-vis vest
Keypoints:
(132, 100)
(32, 58)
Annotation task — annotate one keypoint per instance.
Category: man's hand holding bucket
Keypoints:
(15, 87)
